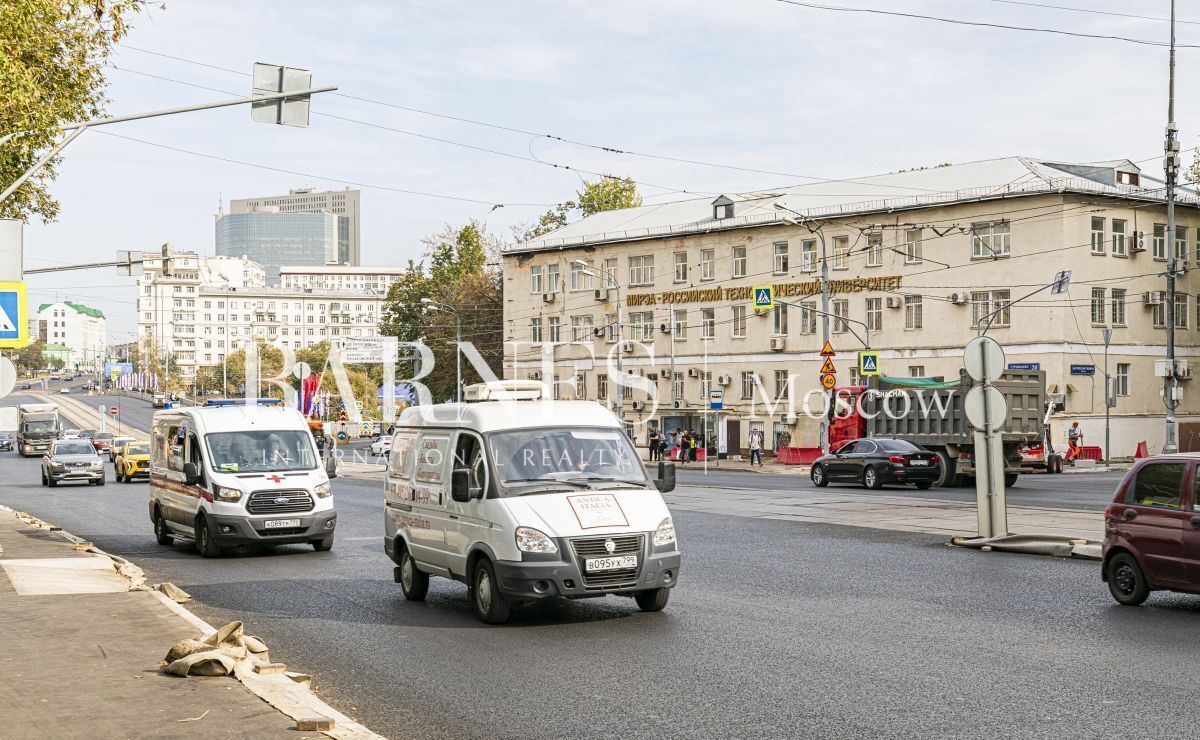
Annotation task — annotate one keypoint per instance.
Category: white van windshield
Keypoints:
(565, 455)
(261, 451)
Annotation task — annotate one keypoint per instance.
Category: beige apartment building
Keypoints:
(915, 260)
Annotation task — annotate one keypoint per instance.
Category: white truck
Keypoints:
(37, 426)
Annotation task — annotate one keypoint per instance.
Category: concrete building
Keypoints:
(339, 277)
(344, 204)
(80, 329)
(919, 257)
(211, 306)
(274, 239)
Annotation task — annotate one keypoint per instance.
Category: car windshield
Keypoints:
(565, 455)
(142, 448)
(41, 426)
(104, 435)
(262, 451)
(74, 448)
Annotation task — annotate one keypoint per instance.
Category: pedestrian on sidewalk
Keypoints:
(655, 446)
(756, 448)
(1074, 442)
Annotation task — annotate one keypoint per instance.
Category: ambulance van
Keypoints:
(525, 499)
(231, 473)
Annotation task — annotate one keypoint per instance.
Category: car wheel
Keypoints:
(1010, 480)
(1126, 581)
(101, 481)
(872, 479)
(323, 545)
(53, 483)
(161, 532)
(44, 477)
(820, 477)
(205, 545)
(490, 605)
(413, 582)
(654, 600)
(924, 485)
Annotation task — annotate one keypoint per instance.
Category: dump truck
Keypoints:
(929, 412)
(37, 426)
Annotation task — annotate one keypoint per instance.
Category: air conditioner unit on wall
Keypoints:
(602, 295)
(894, 301)
(723, 380)
(535, 375)
(638, 405)
(693, 372)
(1154, 298)
(788, 418)
(777, 343)
(959, 298)
(547, 298)
(677, 404)
(627, 347)
(666, 374)
(1138, 242)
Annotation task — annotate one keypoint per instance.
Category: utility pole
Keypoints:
(1107, 399)
(1171, 165)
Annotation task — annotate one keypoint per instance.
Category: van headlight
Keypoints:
(324, 490)
(226, 494)
(665, 534)
(531, 540)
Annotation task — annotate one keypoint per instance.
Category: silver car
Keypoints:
(72, 460)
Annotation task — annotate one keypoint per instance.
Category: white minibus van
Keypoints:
(231, 473)
(524, 499)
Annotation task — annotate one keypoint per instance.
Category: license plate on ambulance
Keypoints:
(281, 523)
(619, 562)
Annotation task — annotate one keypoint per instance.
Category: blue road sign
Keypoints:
(716, 399)
(868, 363)
(1024, 366)
(14, 324)
(764, 297)
(1083, 369)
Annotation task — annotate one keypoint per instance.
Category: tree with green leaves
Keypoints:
(52, 63)
(606, 194)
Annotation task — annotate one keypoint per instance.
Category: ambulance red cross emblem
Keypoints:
(275, 478)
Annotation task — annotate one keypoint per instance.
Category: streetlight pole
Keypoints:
(1171, 165)
(432, 305)
(1107, 404)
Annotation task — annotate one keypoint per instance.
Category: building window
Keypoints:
(1121, 379)
(708, 264)
(990, 240)
(841, 310)
(1098, 295)
(914, 311)
(781, 384)
(748, 384)
(601, 387)
(677, 385)
(1119, 247)
(641, 270)
(739, 262)
(739, 322)
(1158, 313)
(610, 272)
(681, 267)
(841, 252)
(912, 246)
(1182, 312)
(610, 327)
(580, 277)
(581, 328)
(1158, 245)
(990, 303)
(875, 314)
(781, 258)
(679, 328)
(552, 285)
(708, 323)
(808, 255)
(1128, 178)
(1118, 307)
(808, 317)
(874, 250)
(535, 330)
(1181, 251)
(642, 324)
(535, 279)
(779, 326)
(581, 386)
(916, 371)
(1098, 235)
(723, 210)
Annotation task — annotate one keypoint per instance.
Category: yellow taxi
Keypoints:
(134, 459)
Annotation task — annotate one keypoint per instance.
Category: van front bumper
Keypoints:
(543, 580)
(241, 530)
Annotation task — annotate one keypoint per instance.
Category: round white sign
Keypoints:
(301, 370)
(983, 359)
(988, 404)
(8, 376)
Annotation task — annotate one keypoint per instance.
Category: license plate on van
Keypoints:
(281, 523)
(616, 563)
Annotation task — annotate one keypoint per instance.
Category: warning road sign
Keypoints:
(764, 297)
(828, 366)
(827, 350)
(868, 363)
(14, 328)
(828, 381)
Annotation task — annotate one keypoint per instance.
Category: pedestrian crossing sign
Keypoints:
(14, 327)
(868, 363)
(764, 297)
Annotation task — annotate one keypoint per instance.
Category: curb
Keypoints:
(283, 693)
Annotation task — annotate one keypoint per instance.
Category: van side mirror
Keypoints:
(331, 465)
(190, 474)
(459, 488)
(666, 476)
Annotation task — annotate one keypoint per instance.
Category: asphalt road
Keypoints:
(778, 629)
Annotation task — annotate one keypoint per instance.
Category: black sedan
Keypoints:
(875, 461)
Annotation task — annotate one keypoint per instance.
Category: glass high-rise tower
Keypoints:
(275, 239)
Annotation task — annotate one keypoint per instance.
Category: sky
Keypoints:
(753, 84)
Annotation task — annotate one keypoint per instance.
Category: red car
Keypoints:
(102, 441)
(1152, 529)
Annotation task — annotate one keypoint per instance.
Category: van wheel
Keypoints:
(161, 532)
(654, 600)
(947, 478)
(819, 477)
(490, 605)
(323, 545)
(871, 479)
(205, 545)
(413, 582)
(1126, 581)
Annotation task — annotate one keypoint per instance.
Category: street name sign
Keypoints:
(1024, 366)
(14, 324)
(1083, 369)
(764, 297)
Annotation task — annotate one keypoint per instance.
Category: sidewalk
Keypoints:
(82, 653)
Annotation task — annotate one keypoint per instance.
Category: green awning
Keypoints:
(931, 383)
